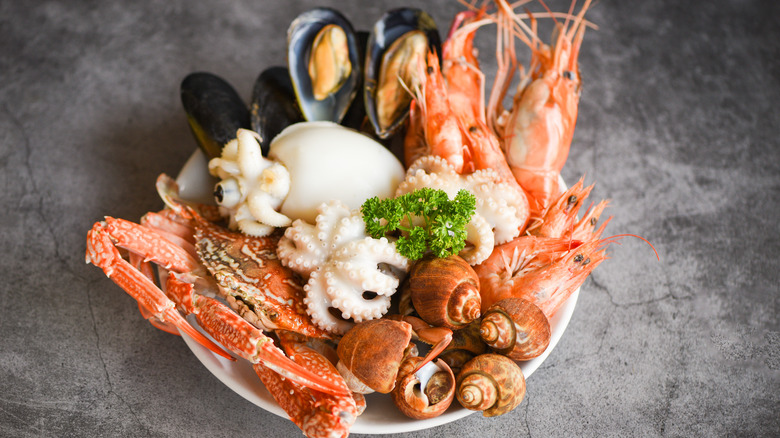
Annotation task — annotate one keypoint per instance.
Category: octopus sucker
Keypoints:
(341, 262)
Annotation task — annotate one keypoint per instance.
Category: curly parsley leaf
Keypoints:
(426, 219)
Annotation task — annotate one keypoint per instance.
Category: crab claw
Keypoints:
(102, 253)
(244, 339)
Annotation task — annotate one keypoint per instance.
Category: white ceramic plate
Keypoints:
(381, 415)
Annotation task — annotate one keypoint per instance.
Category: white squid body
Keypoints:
(330, 162)
(341, 263)
(308, 163)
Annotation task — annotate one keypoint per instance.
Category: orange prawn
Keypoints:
(538, 130)
(548, 265)
(433, 128)
(547, 276)
(508, 262)
(559, 219)
(465, 88)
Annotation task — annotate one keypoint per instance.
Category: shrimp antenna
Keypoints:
(613, 239)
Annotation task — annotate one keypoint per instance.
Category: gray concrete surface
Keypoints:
(678, 127)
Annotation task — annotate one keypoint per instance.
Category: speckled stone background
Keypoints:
(678, 126)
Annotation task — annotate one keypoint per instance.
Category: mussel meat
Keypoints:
(273, 106)
(322, 55)
(398, 43)
(214, 110)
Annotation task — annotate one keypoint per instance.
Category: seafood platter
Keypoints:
(422, 277)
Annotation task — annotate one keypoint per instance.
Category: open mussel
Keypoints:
(273, 106)
(322, 55)
(399, 41)
(214, 110)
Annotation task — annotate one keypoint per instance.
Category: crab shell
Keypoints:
(371, 352)
(433, 398)
(445, 291)
(491, 383)
(516, 328)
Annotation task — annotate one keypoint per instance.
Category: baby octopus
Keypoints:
(252, 187)
(498, 217)
(343, 264)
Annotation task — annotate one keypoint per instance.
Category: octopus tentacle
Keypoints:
(361, 261)
(342, 263)
(300, 249)
(480, 232)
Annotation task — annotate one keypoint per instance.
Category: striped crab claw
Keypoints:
(189, 286)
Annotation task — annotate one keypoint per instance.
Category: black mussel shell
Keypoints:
(328, 96)
(214, 110)
(390, 48)
(273, 106)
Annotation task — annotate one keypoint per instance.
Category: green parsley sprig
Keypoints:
(424, 220)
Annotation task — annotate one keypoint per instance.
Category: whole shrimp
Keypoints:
(466, 93)
(538, 130)
(548, 282)
(547, 265)
(432, 128)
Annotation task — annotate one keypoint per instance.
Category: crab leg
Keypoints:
(294, 399)
(242, 338)
(437, 337)
(315, 413)
(102, 253)
(146, 269)
(150, 244)
(320, 357)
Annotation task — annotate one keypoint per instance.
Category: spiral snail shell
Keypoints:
(516, 328)
(445, 291)
(491, 383)
(426, 393)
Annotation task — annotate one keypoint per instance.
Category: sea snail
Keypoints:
(445, 291)
(491, 383)
(425, 393)
(516, 328)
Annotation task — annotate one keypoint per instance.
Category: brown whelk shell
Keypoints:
(491, 383)
(372, 352)
(465, 345)
(445, 291)
(423, 402)
(516, 328)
